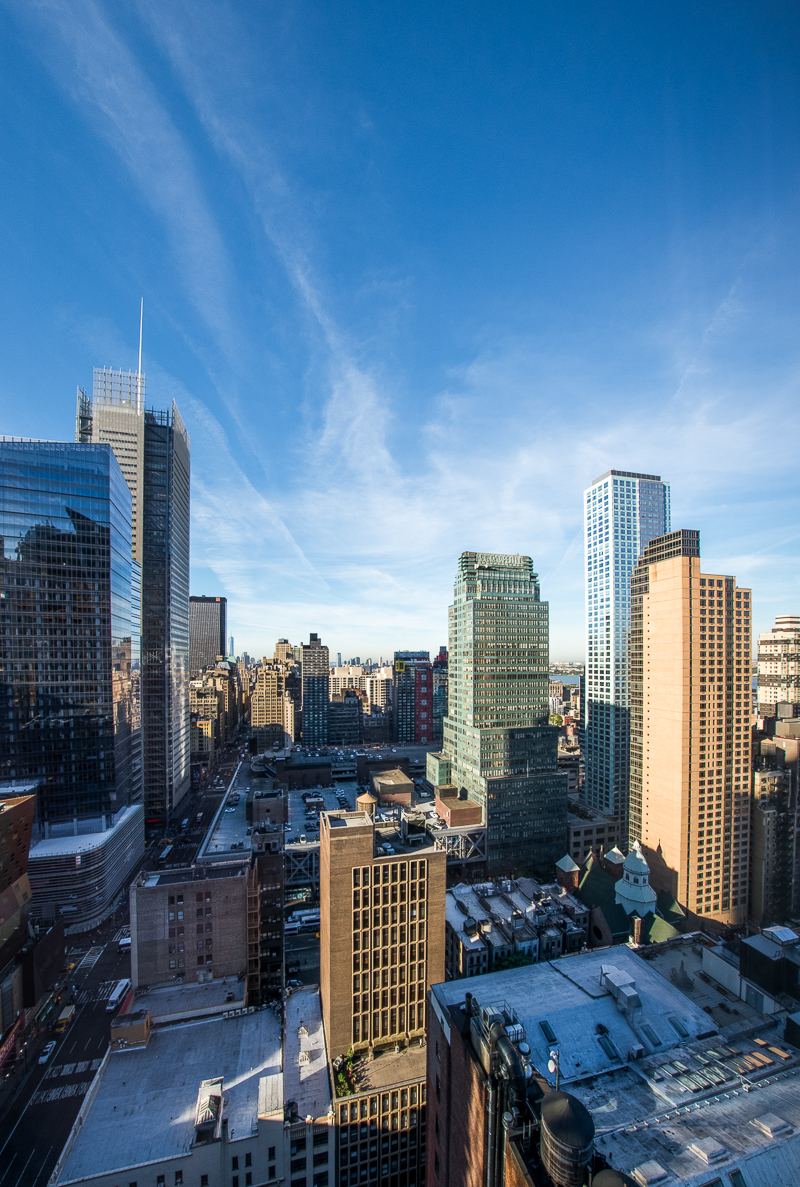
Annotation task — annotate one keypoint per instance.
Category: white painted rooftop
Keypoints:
(144, 1108)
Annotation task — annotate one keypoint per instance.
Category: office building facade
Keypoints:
(690, 728)
(498, 744)
(381, 932)
(623, 512)
(779, 665)
(69, 661)
(315, 692)
(412, 697)
(152, 448)
(207, 623)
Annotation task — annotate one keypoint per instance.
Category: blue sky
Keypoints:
(415, 274)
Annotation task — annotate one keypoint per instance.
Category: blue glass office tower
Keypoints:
(623, 512)
(152, 448)
(69, 669)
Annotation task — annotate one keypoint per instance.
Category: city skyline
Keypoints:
(463, 369)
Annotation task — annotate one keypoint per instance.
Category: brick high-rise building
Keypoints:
(412, 697)
(382, 899)
(690, 728)
(378, 957)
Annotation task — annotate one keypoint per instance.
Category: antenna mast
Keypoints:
(139, 372)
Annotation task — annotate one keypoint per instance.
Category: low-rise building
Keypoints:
(192, 923)
(225, 1102)
(495, 925)
(588, 829)
(392, 787)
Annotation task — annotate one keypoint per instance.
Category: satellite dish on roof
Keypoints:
(551, 1065)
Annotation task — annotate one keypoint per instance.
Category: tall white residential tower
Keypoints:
(623, 512)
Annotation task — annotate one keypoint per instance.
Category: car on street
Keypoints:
(295, 984)
(48, 1051)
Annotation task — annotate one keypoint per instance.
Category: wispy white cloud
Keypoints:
(96, 68)
(509, 443)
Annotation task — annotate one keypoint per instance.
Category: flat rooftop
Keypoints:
(228, 830)
(144, 1107)
(755, 1131)
(235, 868)
(86, 842)
(393, 776)
(305, 1064)
(348, 820)
(167, 1000)
(681, 963)
(390, 1067)
(561, 1003)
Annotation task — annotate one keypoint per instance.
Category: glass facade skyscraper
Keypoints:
(207, 621)
(623, 512)
(69, 653)
(152, 448)
(497, 741)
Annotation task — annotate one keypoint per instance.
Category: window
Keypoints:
(235, 1163)
(738, 1179)
(178, 1178)
(235, 1181)
(248, 1179)
(204, 1181)
(248, 1159)
(271, 1154)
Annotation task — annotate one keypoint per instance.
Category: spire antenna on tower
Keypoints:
(139, 372)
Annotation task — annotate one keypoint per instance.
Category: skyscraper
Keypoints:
(69, 661)
(152, 448)
(779, 665)
(207, 622)
(690, 728)
(497, 741)
(439, 693)
(412, 697)
(623, 512)
(315, 692)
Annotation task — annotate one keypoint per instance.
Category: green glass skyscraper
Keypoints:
(497, 740)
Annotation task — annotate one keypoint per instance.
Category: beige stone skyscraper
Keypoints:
(779, 665)
(381, 930)
(690, 728)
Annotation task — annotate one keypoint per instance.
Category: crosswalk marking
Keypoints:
(96, 993)
(124, 933)
(90, 959)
